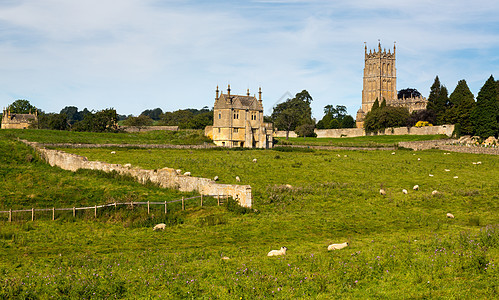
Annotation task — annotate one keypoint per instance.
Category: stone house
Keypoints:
(18, 121)
(238, 121)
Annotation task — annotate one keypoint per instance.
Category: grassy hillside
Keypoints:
(401, 246)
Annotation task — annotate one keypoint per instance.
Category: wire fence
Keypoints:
(55, 213)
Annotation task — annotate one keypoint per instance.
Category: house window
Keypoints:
(219, 115)
(236, 130)
(236, 114)
(218, 130)
(235, 144)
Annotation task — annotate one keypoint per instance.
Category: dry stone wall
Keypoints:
(166, 177)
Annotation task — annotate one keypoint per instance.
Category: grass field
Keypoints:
(401, 246)
(361, 141)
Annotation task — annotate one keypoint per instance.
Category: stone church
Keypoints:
(18, 121)
(238, 121)
(380, 82)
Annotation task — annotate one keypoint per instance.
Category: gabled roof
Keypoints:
(238, 101)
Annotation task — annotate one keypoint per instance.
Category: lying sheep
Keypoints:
(225, 258)
(449, 215)
(254, 160)
(160, 226)
(187, 174)
(393, 153)
(238, 179)
(404, 191)
(282, 251)
(382, 192)
(431, 175)
(337, 246)
(455, 177)
(178, 171)
(113, 152)
(416, 187)
(434, 192)
(215, 178)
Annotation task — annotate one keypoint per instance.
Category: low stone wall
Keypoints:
(148, 128)
(166, 177)
(355, 132)
(146, 146)
(425, 145)
(449, 145)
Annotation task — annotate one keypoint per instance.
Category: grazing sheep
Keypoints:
(338, 155)
(393, 153)
(449, 215)
(225, 258)
(215, 178)
(178, 171)
(404, 191)
(337, 246)
(238, 179)
(478, 162)
(455, 177)
(382, 192)
(434, 192)
(431, 175)
(288, 186)
(254, 160)
(160, 226)
(474, 163)
(113, 152)
(128, 165)
(187, 174)
(419, 159)
(345, 155)
(282, 251)
(416, 187)
(447, 170)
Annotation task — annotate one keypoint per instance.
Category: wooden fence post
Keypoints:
(218, 200)
(32, 214)
(114, 205)
(95, 212)
(53, 213)
(10, 215)
(201, 200)
(74, 212)
(147, 207)
(165, 208)
(183, 208)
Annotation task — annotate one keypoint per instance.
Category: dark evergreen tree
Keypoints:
(383, 103)
(293, 113)
(375, 105)
(484, 115)
(438, 101)
(461, 104)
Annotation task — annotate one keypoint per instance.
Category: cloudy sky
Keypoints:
(133, 55)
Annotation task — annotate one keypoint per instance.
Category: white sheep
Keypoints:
(404, 191)
(382, 192)
(419, 159)
(225, 258)
(127, 165)
(113, 152)
(178, 171)
(431, 175)
(282, 251)
(447, 170)
(393, 153)
(254, 160)
(238, 179)
(416, 187)
(455, 177)
(215, 178)
(449, 215)
(160, 226)
(337, 246)
(187, 174)
(478, 162)
(434, 192)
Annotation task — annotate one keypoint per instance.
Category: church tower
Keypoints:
(380, 77)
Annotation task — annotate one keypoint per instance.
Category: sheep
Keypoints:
(254, 160)
(404, 191)
(419, 159)
(474, 163)
(225, 258)
(337, 246)
(160, 226)
(447, 170)
(215, 178)
(449, 215)
(187, 174)
(288, 186)
(113, 152)
(416, 187)
(382, 192)
(128, 165)
(431, 175)
(238, 179)
(478, 162)
(178, 171)
(282, 251)
(393, 153)
(434, 192)
(455, 177)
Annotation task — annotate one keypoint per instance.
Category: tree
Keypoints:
(72, 114)
(292, 113)
(421, 115)
(154, 114)
(140, 122)
(101, 121)
(22, 106)
(335, 117)
(386, 117)
(484, 115)
(375, 105)
(461, 104)
(438, 101)
(383, 103)
(53, 121)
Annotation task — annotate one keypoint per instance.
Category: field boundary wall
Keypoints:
(166, 177)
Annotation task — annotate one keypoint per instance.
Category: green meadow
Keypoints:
(401, 245)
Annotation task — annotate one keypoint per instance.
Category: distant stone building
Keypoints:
(380, 82)
(238, 121)
(18, 121)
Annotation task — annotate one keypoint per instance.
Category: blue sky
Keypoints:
(134, 55)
